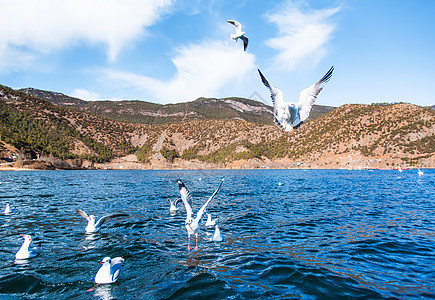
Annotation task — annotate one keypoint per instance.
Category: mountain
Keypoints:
(350, 136)
(151, 113)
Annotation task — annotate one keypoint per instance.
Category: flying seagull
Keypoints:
(95, 227)
(239, 34)
(291, 115)
(25, 251)
(192, 225)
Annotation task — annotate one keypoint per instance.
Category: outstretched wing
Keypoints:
(177, 201)
(309, 95)
(102, 220)
(83, 214)
(275, 94)
(245, 42)
(187, 199)
(279, 106)
(204, 207)
(237, 24)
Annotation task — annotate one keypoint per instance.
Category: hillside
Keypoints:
(351, 136)
(151, 113)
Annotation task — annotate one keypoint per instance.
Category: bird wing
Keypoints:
(277, 101)
(237, 24)
(204, 207)
(245, 42)
(83, 214)
(309, 95)
(177, 201)
(102, 220)
(275, 94)
(116, 260)
(186, 198)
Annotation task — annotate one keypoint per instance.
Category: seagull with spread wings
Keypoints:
(239, 33)
(95, 226)
(289, 115)
(192, 224)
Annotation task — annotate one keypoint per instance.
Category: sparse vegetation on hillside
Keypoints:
(396, 132)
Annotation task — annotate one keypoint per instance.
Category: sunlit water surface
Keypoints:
(320, 234)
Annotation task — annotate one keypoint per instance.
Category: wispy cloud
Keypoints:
(303, 33)
(201, 71)
(46, 25)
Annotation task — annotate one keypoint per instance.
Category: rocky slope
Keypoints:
(351, 136)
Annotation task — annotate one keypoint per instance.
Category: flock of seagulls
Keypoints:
(111, 267)
(287, 115)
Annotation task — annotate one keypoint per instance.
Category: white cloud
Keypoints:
(48, 25)
(202, 71)
(302, 34)
(84, 94)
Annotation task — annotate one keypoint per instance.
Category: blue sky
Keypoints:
(168, 51)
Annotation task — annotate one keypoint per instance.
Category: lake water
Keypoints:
(320, 234)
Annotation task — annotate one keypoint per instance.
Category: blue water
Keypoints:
(321, 234)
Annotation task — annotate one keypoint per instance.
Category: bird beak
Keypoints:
(101, 262)
(22, 235)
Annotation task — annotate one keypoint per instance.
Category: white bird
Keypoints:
(420, 172)
(209, 222)
(191, 224)
(109, 271)
(174, 205)
(8, 209)
(25, 251)
(291, 115)
(95, 227)
(239, 34)
(217, 236)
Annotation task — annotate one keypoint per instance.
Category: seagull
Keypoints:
(173, 208)
(25, 251)
(289, 116)
(95, 227)
(420, 173)
(239, 34)
(217, 236)
(109, 271)
(191, 224)
(209, 222)
(8, 209)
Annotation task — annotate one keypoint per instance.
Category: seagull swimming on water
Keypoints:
(8, 209)
(109, 271)
(288, 115)
(173, 208)
(210, 222)
(191, 224)
(217, 236)
(95, 227)
(25, 251)
(239, 34)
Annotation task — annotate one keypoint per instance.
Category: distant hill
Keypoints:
(351, 136)
(152, 113)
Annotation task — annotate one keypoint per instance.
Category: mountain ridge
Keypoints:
(143, 112)
(355, 136)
